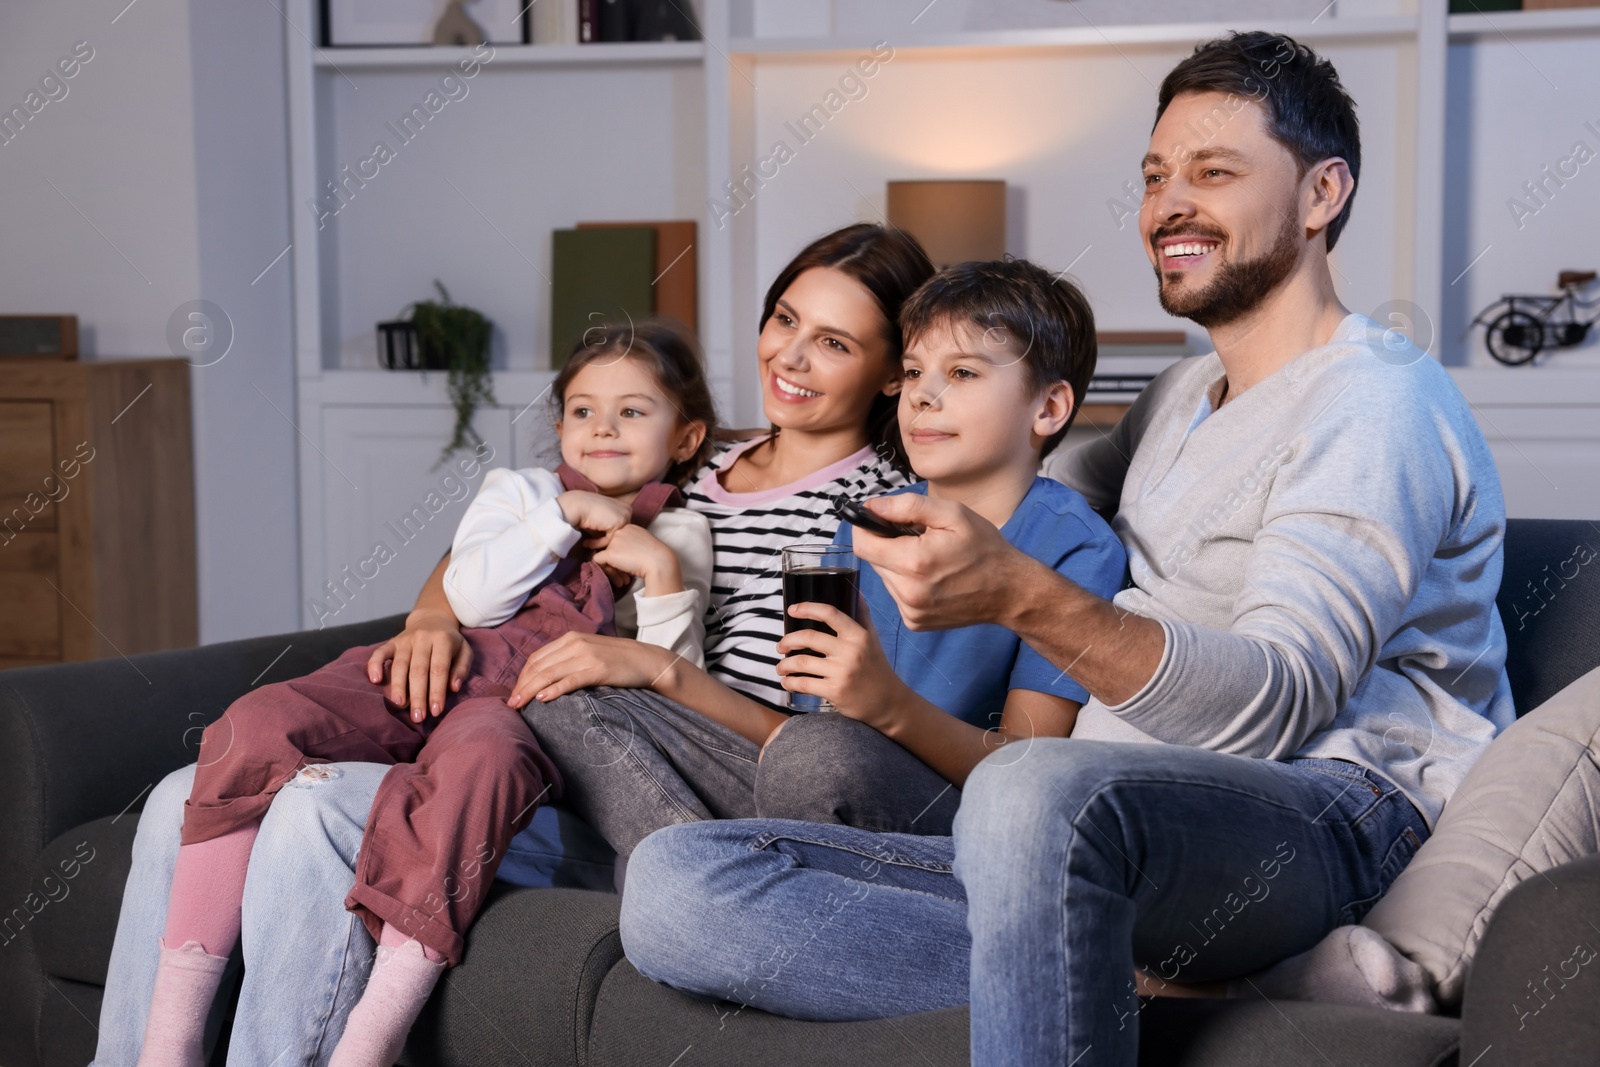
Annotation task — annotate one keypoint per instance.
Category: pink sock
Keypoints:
(207, 888)
(186, 984)
(402, 979)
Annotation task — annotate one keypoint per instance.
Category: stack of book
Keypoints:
(605, 21)
(620, 272)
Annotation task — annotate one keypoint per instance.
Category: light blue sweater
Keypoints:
(1323, 553)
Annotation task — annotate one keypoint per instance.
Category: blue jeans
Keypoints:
(305, 957)
(1069, 866)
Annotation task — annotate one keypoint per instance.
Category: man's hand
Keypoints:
(427, 662)
(960, 572)
(637, 553)
(577, 661)
(598, 516)
(852, 674)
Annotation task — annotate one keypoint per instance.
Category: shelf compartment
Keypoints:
(507, 56)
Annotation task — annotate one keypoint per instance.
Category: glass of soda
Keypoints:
(817, 574)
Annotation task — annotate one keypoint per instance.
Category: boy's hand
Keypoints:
(578, 661)
(852, 674)
(636, 552)
(427, 661)
(596, 515)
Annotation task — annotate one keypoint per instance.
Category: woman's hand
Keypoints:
(852, 674)
(427, 661)
(577, 661)
(596, 515)
(637, 553)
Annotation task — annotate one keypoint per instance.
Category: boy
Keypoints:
(997, 357)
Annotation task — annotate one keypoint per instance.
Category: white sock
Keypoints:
(186, 983)
(402, 979)
(1352, 965)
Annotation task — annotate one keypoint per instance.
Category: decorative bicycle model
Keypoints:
(1520, 327)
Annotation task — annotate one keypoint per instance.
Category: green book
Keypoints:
(600, 275)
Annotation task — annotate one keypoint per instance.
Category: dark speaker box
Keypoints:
(39, 335)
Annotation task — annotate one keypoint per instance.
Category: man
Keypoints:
(1305, 665)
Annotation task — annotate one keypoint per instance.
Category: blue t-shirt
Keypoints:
(968, 671)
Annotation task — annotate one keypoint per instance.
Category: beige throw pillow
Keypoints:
(1530, 803)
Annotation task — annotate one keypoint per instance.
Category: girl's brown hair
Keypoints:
(671, 355)
(889, 264)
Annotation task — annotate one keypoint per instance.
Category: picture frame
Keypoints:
(410, 23)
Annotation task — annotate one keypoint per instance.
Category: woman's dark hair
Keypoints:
(1044, 319)
(1308, 109)
(671, 355)
(890, 264)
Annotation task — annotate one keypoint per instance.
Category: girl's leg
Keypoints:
(808, 920)
(437, 832)
(261, 741)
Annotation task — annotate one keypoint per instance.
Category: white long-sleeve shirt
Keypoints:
(1323, 554)
(513, 535)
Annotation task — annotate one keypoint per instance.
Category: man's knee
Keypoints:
(671, 874)
(1029, 790)
(815, 765)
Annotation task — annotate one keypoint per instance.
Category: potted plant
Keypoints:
(456, 339)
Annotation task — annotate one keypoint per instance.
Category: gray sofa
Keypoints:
(544, 980)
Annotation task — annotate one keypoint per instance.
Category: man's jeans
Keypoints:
(1072, 862)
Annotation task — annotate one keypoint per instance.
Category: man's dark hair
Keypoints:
(1044, 319)
(1308, 110)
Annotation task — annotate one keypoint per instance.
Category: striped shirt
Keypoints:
(749, 532)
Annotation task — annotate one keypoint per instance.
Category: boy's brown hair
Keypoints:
(1044, 319)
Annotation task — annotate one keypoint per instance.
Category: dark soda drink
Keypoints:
(816, 574)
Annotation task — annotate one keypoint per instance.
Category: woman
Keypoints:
(830, 352)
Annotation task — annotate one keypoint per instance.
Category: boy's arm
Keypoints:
(694, 688)
(953, 747)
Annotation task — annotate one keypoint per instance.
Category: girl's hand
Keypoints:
(578, 661)
(852, 674)
(638, 553)
(596, 515)
(427, 662)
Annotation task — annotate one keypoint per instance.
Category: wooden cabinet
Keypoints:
(97, 535)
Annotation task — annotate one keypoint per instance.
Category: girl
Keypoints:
(467, 774)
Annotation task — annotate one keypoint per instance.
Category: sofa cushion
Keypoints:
(1549, 600)
(79, 887)
(1261, 1033)
(640, 1023)
(525, 990)
(1530, 803)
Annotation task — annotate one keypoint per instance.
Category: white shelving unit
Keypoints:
(548, 135)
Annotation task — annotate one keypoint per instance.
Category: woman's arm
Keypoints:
(578, 661)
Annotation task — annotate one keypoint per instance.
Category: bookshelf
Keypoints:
(549, 135)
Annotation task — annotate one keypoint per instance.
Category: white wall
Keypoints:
(187, 189)
(1515, 107)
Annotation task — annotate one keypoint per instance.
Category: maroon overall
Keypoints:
(460, 787)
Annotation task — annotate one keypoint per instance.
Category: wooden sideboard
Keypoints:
(97, 538)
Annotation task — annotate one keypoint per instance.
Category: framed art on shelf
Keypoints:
(411, 23)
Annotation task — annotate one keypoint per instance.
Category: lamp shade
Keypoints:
(954, 220)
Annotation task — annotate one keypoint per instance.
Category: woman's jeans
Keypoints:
(1072, 862)
(306, 958)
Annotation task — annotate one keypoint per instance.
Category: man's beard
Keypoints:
(1238, 287)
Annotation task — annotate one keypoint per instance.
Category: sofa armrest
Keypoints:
(88, 740)
(1536, 979)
